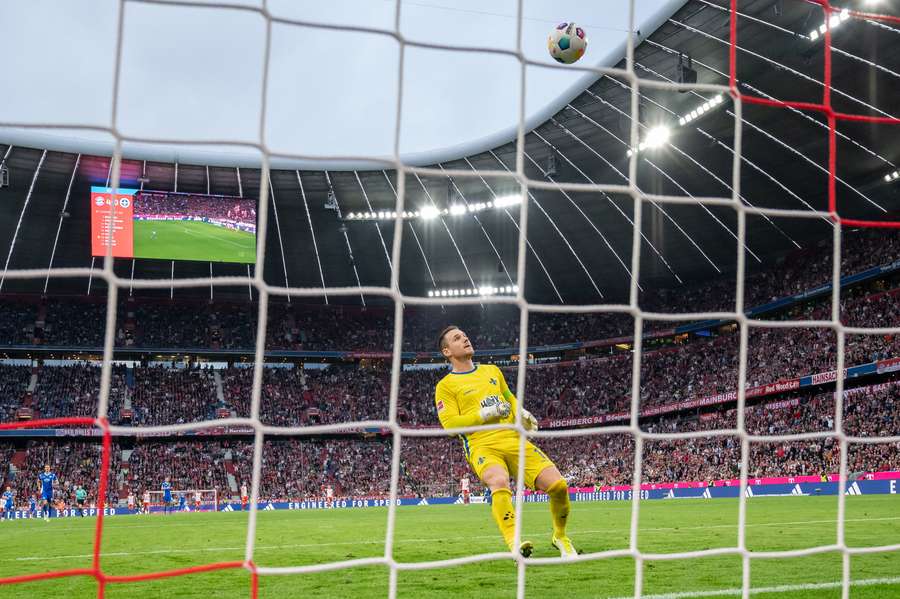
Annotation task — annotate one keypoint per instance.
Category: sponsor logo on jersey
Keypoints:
(490, 400)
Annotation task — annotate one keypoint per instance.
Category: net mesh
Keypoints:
(393, 292)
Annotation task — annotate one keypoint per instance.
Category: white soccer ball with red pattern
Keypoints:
(567, 43)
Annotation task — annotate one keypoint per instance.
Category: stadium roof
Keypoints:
(581, 244)
(196, 73)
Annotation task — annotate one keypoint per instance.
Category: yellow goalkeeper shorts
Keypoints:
(506, 454)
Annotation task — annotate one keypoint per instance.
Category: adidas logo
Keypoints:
(508, 516)
(269, 507)
(670, 494)
(797, 490)
(423, 502)
(853, 490)
(227, 508)
(707, 494)
(749, 492)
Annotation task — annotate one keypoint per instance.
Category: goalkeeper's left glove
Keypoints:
(529, 421)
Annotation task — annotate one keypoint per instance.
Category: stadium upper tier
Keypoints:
(156, 323)
(673, 370)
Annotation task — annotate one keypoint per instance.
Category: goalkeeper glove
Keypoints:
(529, 421)
(493, 413)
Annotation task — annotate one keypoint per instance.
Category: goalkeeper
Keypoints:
(472, 395)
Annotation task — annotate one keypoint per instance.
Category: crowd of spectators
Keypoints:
(671, 373)
(609, 459)
(187, 464)
(13, 386)
(17, 323)
(298, 326)
(303, 468)
(684, 368)
(798, 272)
(71, 390)
(163, 325)
(72, 323)
(293, 396)
(359, 466)
(75, 463)
(172, 396)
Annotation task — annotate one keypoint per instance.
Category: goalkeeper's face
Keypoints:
(458, 345)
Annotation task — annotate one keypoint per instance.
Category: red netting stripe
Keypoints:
(874, 17)
(101, 504)
(875, 224)
(857, 13)
(825, 107)
(174, 573)
(48, 575)
(881, 120)
(96, 572)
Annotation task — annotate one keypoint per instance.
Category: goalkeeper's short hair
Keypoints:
(444, 332)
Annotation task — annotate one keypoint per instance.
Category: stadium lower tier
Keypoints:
(296, 396)
(298, 468)
(674, 370)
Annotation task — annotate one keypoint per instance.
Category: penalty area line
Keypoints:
(782, 588)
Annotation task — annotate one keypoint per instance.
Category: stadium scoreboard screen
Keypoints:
(173, 226)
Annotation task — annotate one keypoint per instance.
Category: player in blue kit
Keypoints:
(167, 495)
(47, 479)
(182, 502)
(8, 503)
(32, 506)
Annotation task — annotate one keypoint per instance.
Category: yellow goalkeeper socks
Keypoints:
(504, 514)
(559, 506)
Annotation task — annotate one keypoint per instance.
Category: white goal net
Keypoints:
(514, 176)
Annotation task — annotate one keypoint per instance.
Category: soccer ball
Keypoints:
(567, 43)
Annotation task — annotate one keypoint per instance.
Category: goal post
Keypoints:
(209, 500)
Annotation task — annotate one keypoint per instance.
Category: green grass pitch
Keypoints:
(140, 544)
(184, 240)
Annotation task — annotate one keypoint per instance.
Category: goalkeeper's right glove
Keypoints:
(493, 413)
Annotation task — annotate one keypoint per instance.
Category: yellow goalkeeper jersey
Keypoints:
(459, 397)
